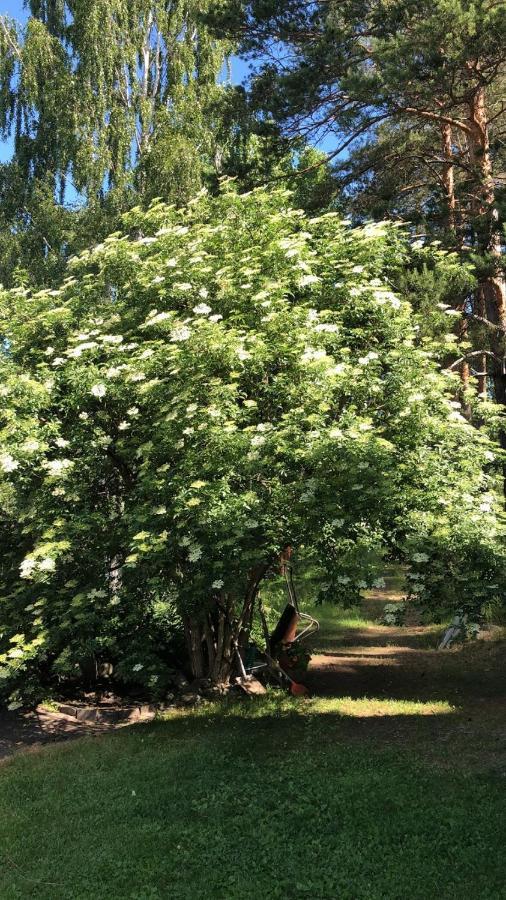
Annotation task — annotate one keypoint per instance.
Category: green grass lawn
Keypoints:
(250, 800)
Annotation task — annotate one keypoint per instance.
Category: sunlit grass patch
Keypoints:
(277, 704)
(364, 707)
(335, 618)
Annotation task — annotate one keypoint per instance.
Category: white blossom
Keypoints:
(57, 466)
(47, 564)
(307, 280)
(217, 584)
(98, 390)
(195, 553)
(202, 309)
(30, 446)
(310, 354)
(76, 352)
(27, 566)
(61, 442)
(420, 557)
(8, 463)
(180, 334)
(327, 327)
(160, 317)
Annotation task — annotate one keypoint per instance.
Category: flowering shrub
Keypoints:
(208, 387)
(458, 568)
(393, 614)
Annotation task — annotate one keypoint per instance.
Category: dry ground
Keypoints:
(448, 707)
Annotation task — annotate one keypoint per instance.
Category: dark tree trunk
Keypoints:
(214, 639)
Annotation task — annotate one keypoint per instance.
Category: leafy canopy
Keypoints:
(204, 389)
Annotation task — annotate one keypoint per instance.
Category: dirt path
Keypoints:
(460, 695)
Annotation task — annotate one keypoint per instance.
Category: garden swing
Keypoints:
(284, 657)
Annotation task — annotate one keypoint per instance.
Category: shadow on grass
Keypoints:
(372, 635)
(249, 799)
(403, 673)
(244, 801)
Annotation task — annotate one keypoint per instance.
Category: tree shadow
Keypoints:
(404, 673)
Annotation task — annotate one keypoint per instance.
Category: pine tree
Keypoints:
(412, 92)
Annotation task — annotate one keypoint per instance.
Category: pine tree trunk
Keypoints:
(448, 177)
(492, 291)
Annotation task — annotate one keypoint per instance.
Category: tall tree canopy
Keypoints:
(90, 88)
(412, 92)
(114, 100)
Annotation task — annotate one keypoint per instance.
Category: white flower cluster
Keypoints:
(327, 327)
(30, 564)
(311, 355)
(364, 360)
(57, 467)
(383, 295)
(182, 333)
(306, 280)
